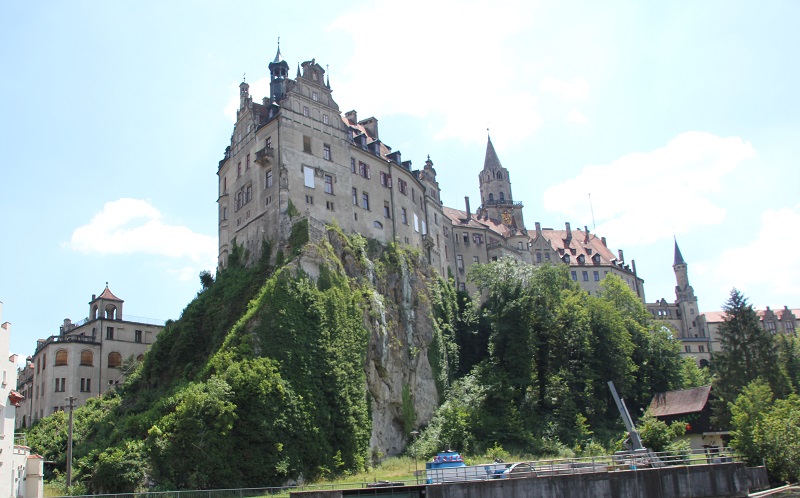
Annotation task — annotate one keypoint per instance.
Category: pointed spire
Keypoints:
(278, 56)
(327, 76)
(491, 161)
(298, 69)
(678, 256)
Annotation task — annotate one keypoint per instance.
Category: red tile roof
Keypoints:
(108, 295)
(680, 402)
(719, 316)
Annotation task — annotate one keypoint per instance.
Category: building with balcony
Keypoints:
(84, 359)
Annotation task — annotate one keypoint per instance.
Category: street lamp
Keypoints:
(414, 435)
(71, 400)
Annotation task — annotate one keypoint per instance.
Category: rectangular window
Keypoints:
(789, 327)
(329, 205)
(365, 200)
(404, 216)
(306, 144)
(424, 228)
(269, 178)
(402, 186)
(460, 262)
(352, 165)
(386, 210)
(475, 259)
(247, 162)
(328, 184)
(309, 199)
(687, 348)
(538, 257)
(109, 332)
(355, 197)
(477, 238)
(325, 119)
(137, 336)
(268, 143)
(315, 96)
(574, 275)
(239, 169)
(462, 287)
(86, 385)
(416, 222)
(414, 195)
(386, 180)
(585, 276)
(305, 111)
(363, 169)
(701, 348)
(308, 175)
(596, 276)
(326, 152)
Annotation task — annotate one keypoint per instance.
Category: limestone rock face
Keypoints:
(400, 322)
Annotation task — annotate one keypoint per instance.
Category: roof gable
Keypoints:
(680, 402)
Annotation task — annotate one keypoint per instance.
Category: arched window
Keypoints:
(491, 198)
(61, 357)
(140, 357)
(87, 358)
(502, 197)
(499, 176)
(114, 360)
(703, 363)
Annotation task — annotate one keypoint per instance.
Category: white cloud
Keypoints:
(575, 89)
(576, 117)
(134, 226)
(752, 266)
(440, 63)
(644, 197)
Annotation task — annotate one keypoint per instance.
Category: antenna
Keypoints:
(594, 227)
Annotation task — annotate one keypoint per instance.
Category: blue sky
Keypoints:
(679, 118)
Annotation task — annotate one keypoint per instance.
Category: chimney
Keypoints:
(469, 213)
(371, 125)
(351, 116)
(538, 229)
(569, 233)
(621, 257)
(586, 238)
(604, 241)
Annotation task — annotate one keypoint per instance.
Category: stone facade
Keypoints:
(295, 156)
(85, 359)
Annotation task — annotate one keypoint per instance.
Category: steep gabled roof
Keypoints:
(491, 162)
(678, 256)
(680, 402)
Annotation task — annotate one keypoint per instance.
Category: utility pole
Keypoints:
(414, 435)
(71, 400)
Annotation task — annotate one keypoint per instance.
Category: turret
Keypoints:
(278, 72)
(495, 186)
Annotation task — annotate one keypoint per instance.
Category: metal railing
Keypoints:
(620, 462)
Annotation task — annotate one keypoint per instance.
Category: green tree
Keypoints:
(747, 352)
(693, 375)
(763, 428)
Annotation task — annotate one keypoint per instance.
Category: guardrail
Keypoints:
(619, 462)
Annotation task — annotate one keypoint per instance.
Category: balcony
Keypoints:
(428, 241)
(265, 156)
(503, 202)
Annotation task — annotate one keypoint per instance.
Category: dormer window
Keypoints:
(581, 259)
(596, 259)
(566, 258)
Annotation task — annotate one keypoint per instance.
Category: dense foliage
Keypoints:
(261, 380)
(767, 430)
(540, 384)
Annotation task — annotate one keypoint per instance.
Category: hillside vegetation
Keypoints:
(319, 360)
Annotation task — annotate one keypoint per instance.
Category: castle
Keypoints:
(294, 155)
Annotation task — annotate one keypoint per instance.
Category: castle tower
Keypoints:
(685, 298)
(495, 186)
(278, 72)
